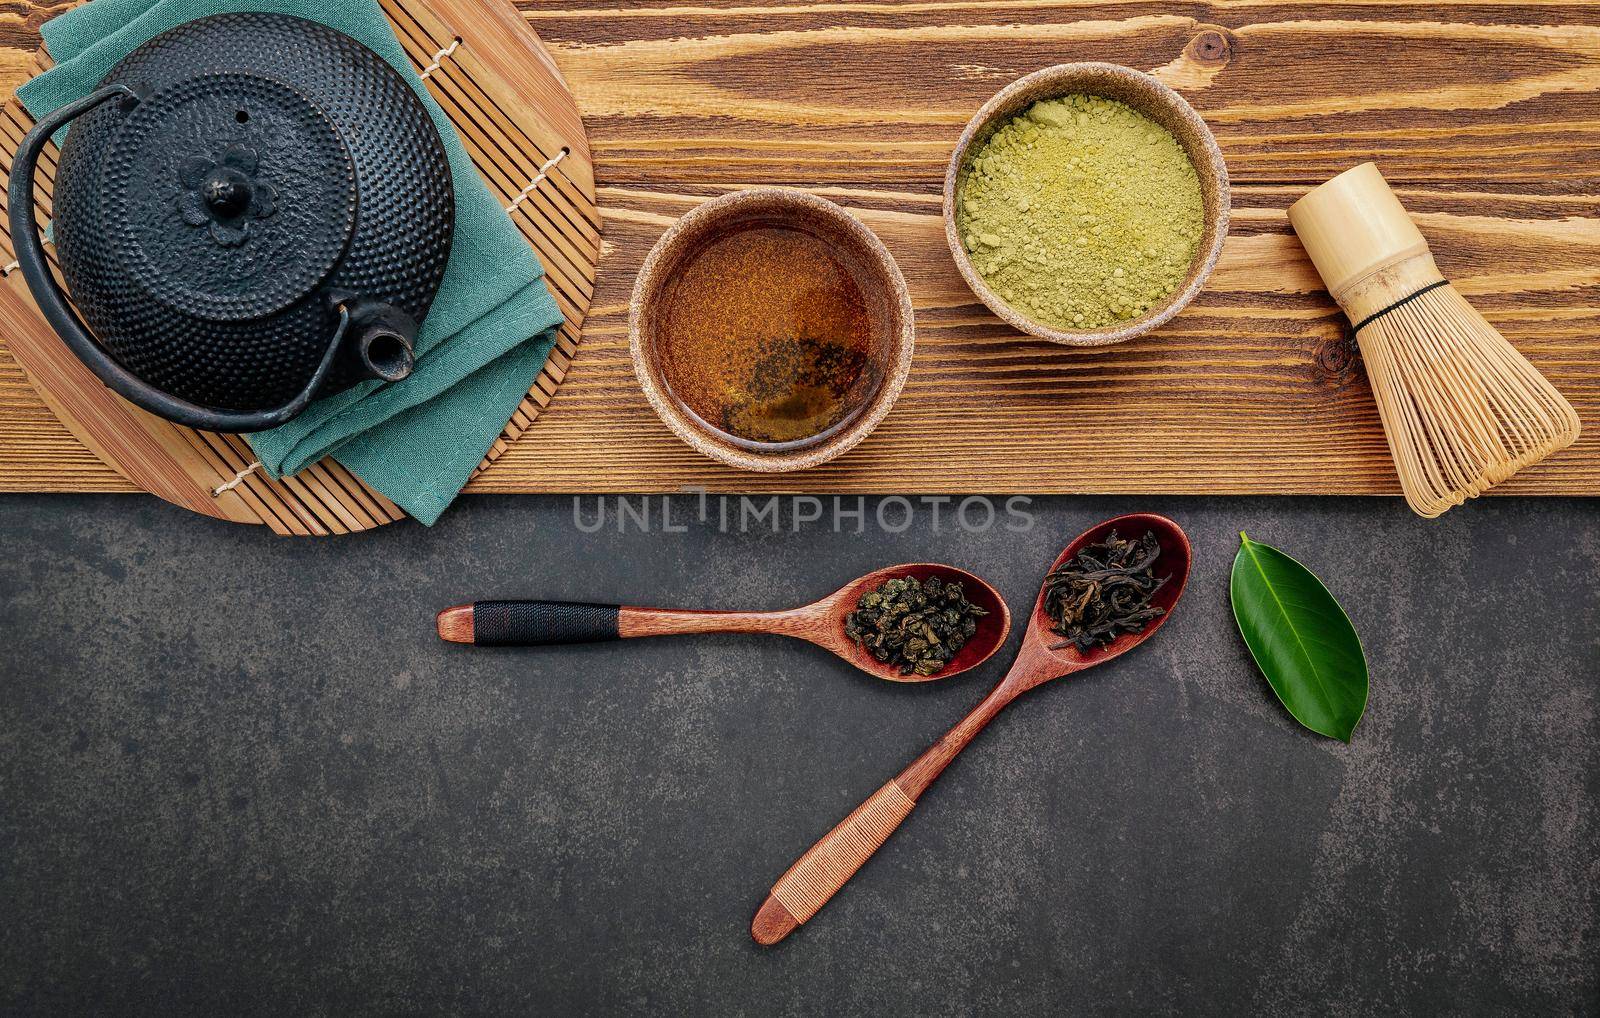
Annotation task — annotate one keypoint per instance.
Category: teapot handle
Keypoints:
(64, 319)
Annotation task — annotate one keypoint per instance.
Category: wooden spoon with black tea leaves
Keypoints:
(546, 623)
(818, 875)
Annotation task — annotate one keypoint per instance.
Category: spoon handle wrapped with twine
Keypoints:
(829, 864)
(1462, 409)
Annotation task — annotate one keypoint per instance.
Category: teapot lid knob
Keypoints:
(227, 192)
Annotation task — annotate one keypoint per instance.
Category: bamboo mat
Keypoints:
(492, 76)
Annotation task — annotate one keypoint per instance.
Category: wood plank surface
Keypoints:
(1484, 115)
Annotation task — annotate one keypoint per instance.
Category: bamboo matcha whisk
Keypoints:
(1463, 410)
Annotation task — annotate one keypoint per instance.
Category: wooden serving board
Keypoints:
(1485, 116)
(514, 114)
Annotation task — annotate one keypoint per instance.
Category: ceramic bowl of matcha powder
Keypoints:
(1086, 203)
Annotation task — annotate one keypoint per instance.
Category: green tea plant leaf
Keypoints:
(1301, 639)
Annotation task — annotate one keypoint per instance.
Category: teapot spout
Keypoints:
(380, 343)
(385, 354)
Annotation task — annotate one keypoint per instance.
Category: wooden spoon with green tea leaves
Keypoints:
(1046, 653)
(823, 622)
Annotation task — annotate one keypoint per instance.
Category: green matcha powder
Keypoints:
(1080, 212)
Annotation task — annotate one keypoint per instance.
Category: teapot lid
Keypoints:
(229, 195)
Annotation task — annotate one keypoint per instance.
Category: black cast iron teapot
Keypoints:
(253, 210)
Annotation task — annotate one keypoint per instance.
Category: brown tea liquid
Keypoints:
(766, 336)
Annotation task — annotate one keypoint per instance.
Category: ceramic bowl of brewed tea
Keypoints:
(771, 330)
(1146, 95)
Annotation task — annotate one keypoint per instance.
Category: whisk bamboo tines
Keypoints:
(1462, 409)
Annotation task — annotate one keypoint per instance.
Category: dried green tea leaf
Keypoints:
(917, 625)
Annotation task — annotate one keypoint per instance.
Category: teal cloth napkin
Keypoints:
(486, 337)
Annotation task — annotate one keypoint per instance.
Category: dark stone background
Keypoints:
(240, 775)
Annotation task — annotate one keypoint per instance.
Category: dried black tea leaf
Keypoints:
(1104, 591)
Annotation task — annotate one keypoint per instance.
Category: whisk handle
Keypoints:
(1354, 225)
